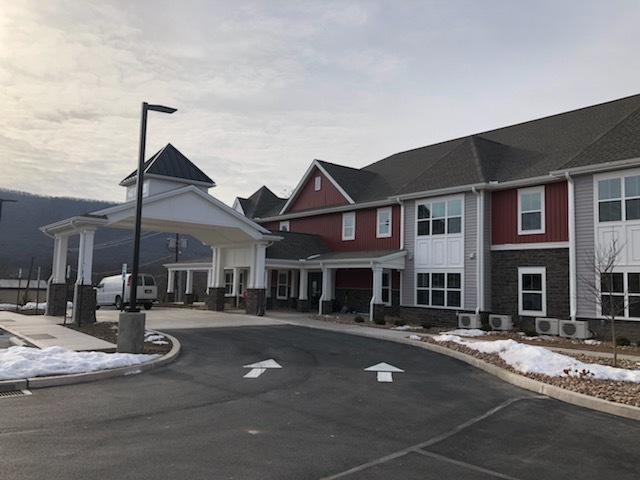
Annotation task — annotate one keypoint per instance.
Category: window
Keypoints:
(439, 289)
(284, 226)
(283, 290)
(228, 282)
(619, 199)
(349, 226)
(318, 183)
(384, 223)
(531, 210)
(532, 295)
(620, 294)
(439, 218)
(386, 288)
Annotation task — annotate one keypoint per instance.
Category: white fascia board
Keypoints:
(237, 206)
(529, 246)
(600, 167)
(179, 180)
(304, 180)
(73, 224)
(438, 192)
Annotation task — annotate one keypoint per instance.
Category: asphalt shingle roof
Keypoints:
(296, 246)
(169, 162)
(263, 203)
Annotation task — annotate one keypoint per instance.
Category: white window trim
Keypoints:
(227, 272)
(345, 216)
(286, 284)
(425, 201)
(541, 191)
(317, 183)
(286, 224)
(378, 222)
(536, 271)
(388, 303)
(430, 288)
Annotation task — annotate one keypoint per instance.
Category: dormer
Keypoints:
(167, 170)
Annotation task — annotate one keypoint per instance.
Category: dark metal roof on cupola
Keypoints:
(170, 163)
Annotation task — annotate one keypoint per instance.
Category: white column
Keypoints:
(85, 257)
(236, 282)
(209, 274)
(327, 286)
(218, 268)
(376, 296)
(189, 287)
(60, 244)
(295, 282)
(304, 284)
(171, 279)
(251, 274)
(267, 281)
(259, 263)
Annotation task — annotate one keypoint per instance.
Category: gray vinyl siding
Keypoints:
(486, 274)
(407, 296)
(584, 244)
(470, 250)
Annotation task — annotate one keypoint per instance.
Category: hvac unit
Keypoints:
(500, 322)
(571, 329)
(547, 326)
(469, 320)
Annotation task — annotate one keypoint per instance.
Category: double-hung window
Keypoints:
(620, 294)
(228, 282)
(349, 226)
(383, 228)
(531, 211)
(439, 289)
(282, 291)
(532, 291)
(386, 288)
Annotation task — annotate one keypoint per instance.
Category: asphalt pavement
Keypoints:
(322, 415)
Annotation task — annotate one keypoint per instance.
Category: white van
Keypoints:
(109, 291)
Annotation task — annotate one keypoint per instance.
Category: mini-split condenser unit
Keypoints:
(469, 320)
(571, 329)
(500, 322)
(547, 326)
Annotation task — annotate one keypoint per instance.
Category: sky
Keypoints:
(263, 88)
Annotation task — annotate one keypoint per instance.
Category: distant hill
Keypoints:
(21, 239)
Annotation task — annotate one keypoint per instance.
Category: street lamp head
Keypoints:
(161, 108)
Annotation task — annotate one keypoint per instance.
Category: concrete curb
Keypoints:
(57, 380)
(564, 395)
(567, 396)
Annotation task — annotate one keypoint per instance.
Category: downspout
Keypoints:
(401, 203)
(572, 248)
(479, 247)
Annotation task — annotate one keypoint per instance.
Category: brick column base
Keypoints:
(378, 312)
(215, 299)
(189, 298)
(327, 307)
(302, 305)
(256, 301)
(171, 297)
(84, 305)
(57, 300)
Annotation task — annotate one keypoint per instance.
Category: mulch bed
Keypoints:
(108, 331)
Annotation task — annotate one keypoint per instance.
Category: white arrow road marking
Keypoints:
(385, 371)
(260, 367)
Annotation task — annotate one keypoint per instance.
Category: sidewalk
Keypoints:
(43, 332)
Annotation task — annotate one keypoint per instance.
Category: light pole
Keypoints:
(131, 322)
(133, 297)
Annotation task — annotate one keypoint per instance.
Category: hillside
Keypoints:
(21, 239)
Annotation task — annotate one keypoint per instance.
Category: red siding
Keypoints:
(329, 227)
(504, 216)
(362, 278)
(308, 197)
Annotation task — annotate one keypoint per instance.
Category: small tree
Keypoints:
(607, 286)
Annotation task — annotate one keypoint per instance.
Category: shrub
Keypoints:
(426, 325)
(379, 321)
(399, 323)
(623, 341)
(358, 319)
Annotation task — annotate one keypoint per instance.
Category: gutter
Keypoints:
(601, 167)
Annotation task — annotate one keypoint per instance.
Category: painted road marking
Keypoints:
(385, 371)
(260, 367)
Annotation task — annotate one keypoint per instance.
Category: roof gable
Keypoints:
(263, 203)
(170, 163)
